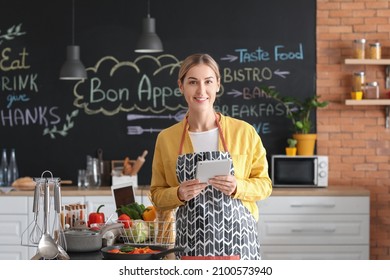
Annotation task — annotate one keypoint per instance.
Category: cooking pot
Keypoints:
(151, 256)
(87, 240)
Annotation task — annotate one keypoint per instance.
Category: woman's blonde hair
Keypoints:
(196, 59)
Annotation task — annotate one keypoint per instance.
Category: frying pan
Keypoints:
(154, 256)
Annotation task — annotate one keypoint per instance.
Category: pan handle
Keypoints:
(166, 252)
(110, 227)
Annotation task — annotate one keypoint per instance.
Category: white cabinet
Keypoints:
(314, 227)
(13, 221)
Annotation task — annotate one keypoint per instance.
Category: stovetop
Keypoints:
(96, 255)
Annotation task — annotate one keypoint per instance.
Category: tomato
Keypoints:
(126, 220)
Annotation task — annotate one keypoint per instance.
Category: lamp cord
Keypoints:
(148, 8)
(73, 22)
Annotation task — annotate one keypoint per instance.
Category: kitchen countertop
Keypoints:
(143, 191)
(75, 191)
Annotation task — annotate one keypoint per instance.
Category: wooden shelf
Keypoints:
(372, 102)
(369, 102)
(355, 61)
(366, 102)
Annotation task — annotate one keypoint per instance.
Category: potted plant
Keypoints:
(291, 150)
(299, 112)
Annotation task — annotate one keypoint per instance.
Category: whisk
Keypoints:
(33, 230)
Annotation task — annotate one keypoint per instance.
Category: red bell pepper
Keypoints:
(96, 217)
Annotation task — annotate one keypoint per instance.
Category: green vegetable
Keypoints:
(133, 210)
(127, 248)
(140, 209)
(132, 213)
(139, 232)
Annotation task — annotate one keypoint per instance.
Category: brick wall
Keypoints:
(355, 137)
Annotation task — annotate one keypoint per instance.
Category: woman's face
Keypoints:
(200, 87)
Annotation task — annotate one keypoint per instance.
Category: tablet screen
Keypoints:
(210, 168)
(123, 195)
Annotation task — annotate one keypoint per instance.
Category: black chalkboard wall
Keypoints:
(128, 97)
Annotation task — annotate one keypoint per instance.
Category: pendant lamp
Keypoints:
(149, 42)
(73, 68)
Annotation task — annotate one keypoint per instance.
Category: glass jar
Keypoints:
(371, 90)
(375, 50)
(93, 172)
(359, 48)
(3, 169)
(357, 81)
(13, 172)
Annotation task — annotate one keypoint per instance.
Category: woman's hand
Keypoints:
(189, 189)
(226, 184)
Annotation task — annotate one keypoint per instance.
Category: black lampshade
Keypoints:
(149, 42)
(73, 68)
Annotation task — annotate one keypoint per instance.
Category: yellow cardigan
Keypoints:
(245, 147)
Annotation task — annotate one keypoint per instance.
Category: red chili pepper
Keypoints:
(96, 217)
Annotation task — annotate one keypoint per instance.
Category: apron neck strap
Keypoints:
(219, 131)
(183, 135)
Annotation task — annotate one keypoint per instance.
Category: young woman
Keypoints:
(217, 218)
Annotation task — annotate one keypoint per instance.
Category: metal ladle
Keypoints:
(61, 242)
(47, 247)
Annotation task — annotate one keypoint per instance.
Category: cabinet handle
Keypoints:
(297, 205)
(313, 230)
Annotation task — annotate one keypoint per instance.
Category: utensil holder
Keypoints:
(38, 221)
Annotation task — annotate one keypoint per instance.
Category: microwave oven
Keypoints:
(299, 171)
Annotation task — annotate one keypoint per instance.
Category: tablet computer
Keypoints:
(209, 168)
(123, 194)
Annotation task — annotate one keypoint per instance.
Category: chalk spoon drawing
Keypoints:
(177, 117)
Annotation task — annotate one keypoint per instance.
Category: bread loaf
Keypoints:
(24, 183)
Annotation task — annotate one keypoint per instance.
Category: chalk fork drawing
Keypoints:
(138, 130)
